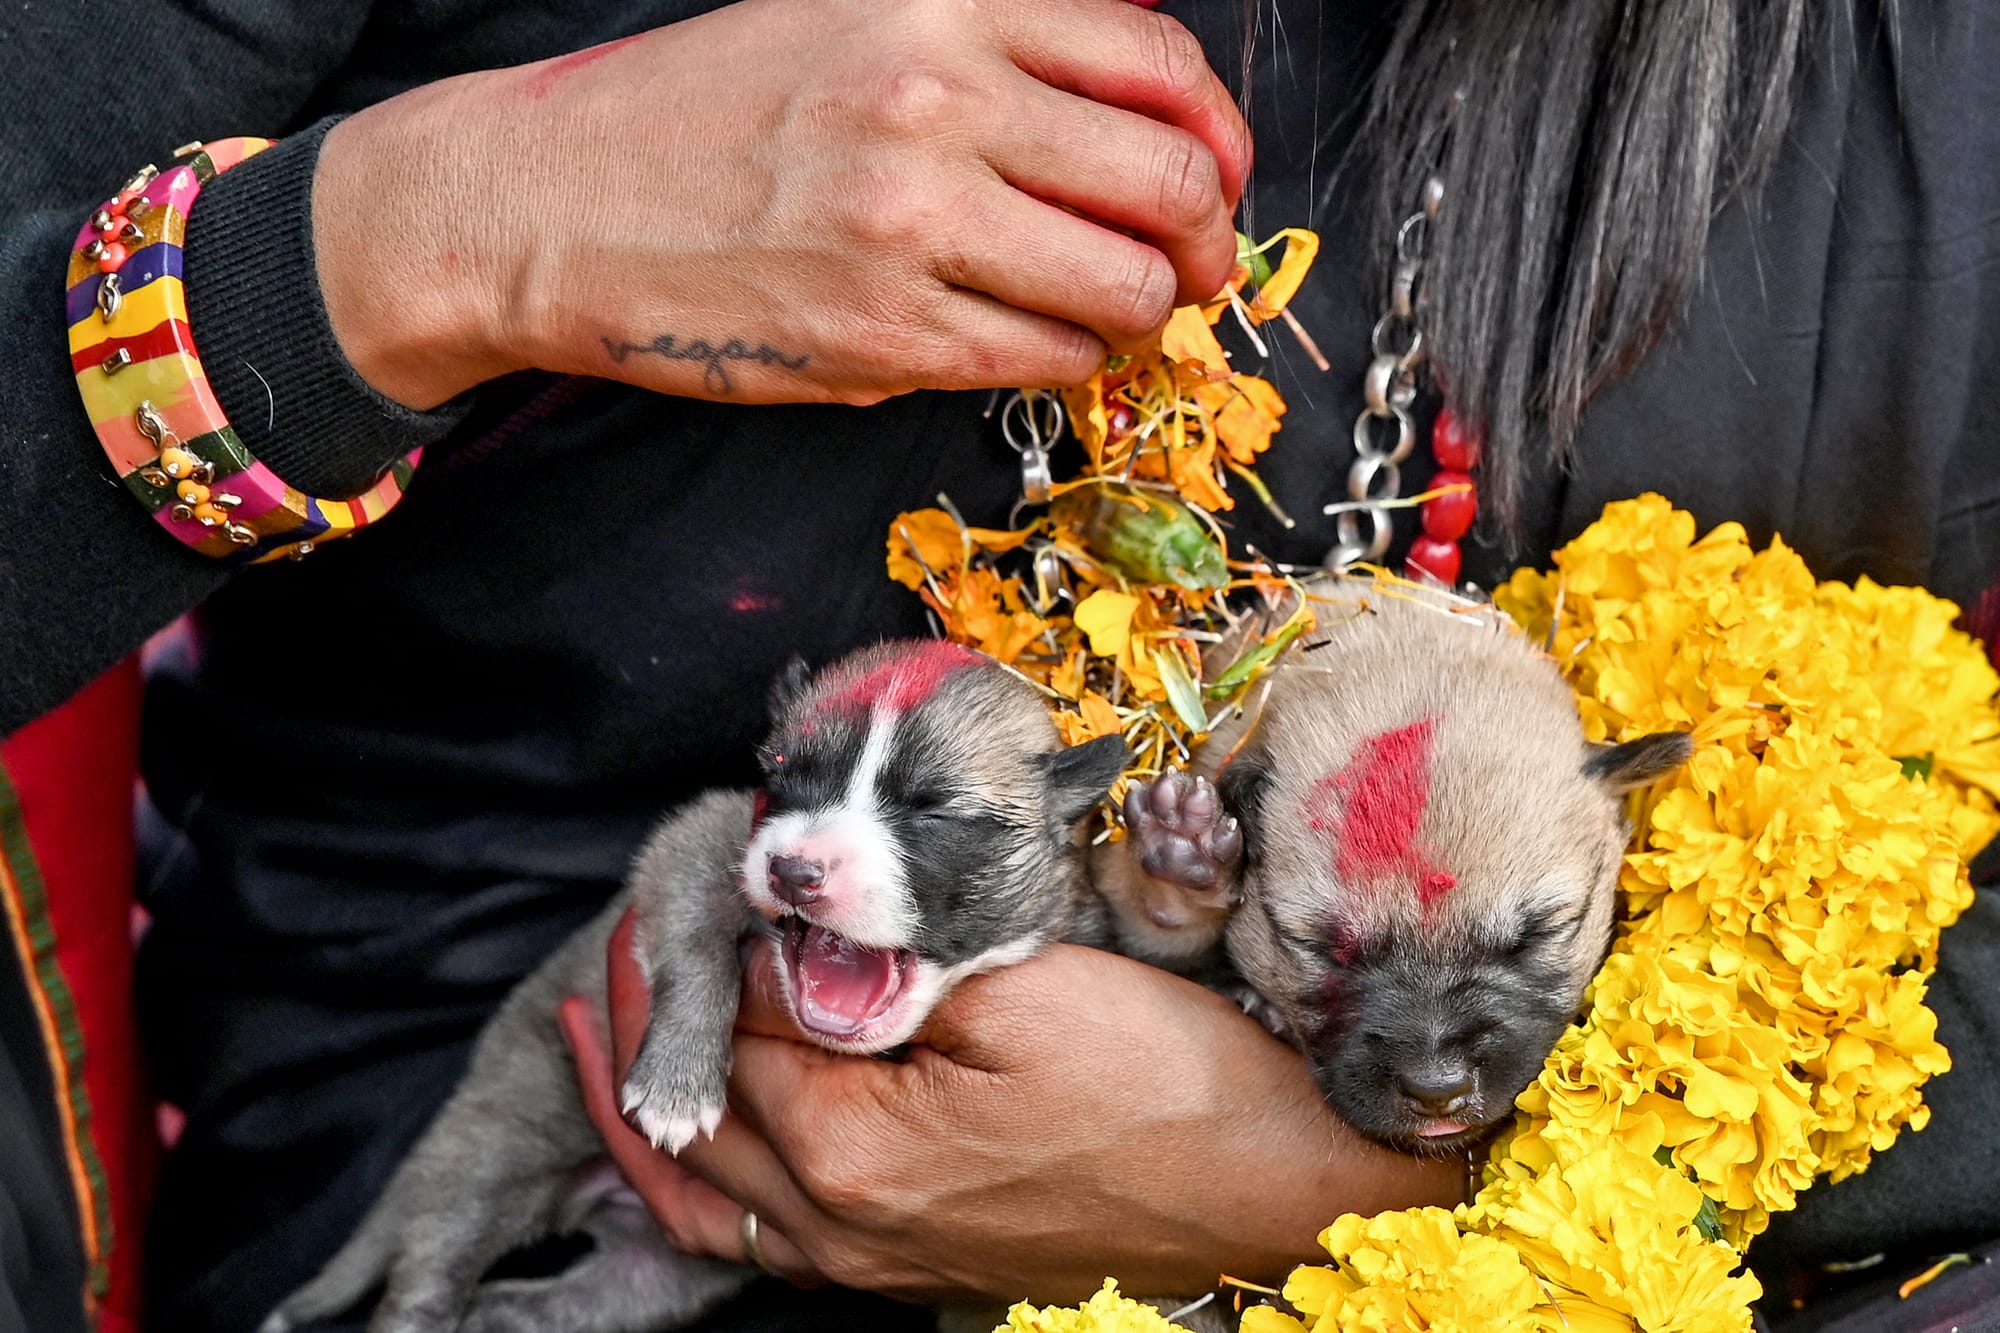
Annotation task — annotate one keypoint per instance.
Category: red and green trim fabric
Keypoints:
(66, 905)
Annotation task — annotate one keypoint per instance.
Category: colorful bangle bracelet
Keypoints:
(148, 398)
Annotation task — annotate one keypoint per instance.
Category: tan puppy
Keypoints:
(1407, 850)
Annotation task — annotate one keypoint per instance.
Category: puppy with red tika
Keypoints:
(916, 827)
(919, 824)
(1408, 852)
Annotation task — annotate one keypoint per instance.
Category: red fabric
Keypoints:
(74, 771)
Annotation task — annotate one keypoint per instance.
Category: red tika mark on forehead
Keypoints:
(1383, 792)
(902, 682)
(1369, 812)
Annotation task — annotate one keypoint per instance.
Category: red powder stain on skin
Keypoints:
(903, 682)
(1369, 812)
(549, 75)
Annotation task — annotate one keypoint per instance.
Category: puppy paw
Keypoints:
(671, 1099)
(1180, 833)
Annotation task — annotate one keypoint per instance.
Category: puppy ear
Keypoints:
(1080, 775)
(791, 683)
(1241, 784)
(1636, 763)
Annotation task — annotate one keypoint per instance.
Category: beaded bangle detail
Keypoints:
(148, 398)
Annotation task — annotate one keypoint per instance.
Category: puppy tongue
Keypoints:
(841, 985)
(1437, 1129)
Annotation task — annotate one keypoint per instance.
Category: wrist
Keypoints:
(405, 208)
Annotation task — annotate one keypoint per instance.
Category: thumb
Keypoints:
(994, 1022)
(763, 1011)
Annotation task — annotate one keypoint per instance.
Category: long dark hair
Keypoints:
(1583, 146)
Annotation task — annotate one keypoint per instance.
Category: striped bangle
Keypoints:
(148, 398)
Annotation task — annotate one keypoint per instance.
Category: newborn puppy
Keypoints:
(1409, 853)
(919, 825)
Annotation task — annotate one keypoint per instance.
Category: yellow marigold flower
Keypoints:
(1106, 1312)
(1618, 1230)
(1415, 1270)
(1267, 1319)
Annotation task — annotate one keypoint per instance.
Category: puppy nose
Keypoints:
(1439, 1090)
(796, 879)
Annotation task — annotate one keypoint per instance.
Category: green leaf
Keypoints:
(1245, 668)
(1917, 765)
(1182, 692)
(1250, 257)
(1708, 1219)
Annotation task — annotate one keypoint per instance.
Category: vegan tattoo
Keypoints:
(714, 357)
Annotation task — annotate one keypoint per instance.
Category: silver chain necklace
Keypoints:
(1384, 434)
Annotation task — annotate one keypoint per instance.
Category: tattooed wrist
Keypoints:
(714, 357)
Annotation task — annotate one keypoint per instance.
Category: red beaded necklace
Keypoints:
(1448, 514)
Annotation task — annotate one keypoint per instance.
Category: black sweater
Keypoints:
(389, 777)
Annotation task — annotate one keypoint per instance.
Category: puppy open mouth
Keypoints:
(842, 993)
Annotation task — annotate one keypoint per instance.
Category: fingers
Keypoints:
(967, 339)
(739, 1166)
(626, 995)
(1033, 256)
(1135, 174)
(695, 1216)
(1120, 54)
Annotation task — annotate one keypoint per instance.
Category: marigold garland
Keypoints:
(1106, 1312)
(1760, 1023)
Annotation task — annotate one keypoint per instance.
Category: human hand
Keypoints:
(1074, 1116)
(789, 200)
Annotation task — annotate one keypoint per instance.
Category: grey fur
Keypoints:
(512, 1157)
(505, 1159)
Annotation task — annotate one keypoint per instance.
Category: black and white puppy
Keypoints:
(920, 824)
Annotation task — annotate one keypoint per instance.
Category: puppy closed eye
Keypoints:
(1555, 932)
(930, 803)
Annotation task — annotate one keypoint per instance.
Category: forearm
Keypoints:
(85, 574)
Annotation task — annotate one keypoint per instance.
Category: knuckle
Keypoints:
(1175, 58)
(1142, 297)
(839, 1183)
(914, 102)
(1075, 354)
(1188, 180)
(891, 210)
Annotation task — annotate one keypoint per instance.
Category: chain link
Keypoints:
(1032, 422)
(1384, 433)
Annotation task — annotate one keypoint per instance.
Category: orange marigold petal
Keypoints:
(1188, 339)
